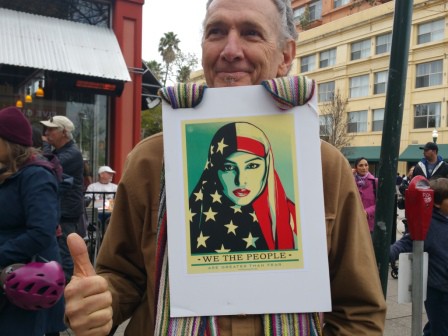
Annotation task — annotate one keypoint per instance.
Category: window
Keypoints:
(427, 115)
(360, 49)
(315, 10)
(357, 122)
(378, 119)
(326, 91)
(327, 58)
(359, 86)
(380, 84)
(383, 43)
(431, 31)
(325, 125)
(339, 3)
(96, 13)
(429, 74)
(307, 63)
(298, 13)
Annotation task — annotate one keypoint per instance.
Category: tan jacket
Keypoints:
(127, 256)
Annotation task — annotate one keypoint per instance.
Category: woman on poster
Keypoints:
(239, 203)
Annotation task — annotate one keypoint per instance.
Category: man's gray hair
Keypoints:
(288, 27)
(69, 135)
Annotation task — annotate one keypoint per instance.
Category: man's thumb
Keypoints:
(78, 250)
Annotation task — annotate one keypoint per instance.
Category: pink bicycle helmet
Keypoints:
(33, 286)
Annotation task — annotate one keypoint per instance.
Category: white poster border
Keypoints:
(260, 291)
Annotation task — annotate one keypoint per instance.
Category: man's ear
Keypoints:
(289, 53)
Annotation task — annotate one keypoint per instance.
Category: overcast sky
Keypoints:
(183, 18)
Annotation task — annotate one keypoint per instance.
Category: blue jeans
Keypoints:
(436, 305)
(67, 261)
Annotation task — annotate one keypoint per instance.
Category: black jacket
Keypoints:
(441, 170)
(72, 164)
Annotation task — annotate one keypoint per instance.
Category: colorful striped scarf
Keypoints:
(291, 324)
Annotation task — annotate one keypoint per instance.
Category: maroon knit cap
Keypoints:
(14, 127)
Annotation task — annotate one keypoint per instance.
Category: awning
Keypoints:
(150, 86)
(414, 153)
(371, 153)
(47, 43)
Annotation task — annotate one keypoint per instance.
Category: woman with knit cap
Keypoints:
(29, 211)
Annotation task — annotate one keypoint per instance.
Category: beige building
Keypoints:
(351, 55)
(345, 47)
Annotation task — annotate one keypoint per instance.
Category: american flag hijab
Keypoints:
(240, 204)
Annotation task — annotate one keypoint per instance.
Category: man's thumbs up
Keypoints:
(78, 250)
(88, 301)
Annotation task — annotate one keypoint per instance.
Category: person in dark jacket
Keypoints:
(432, 165)
(29, 212)
(58, 133)
(436, 303)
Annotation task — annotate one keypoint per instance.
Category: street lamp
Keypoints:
(435, 135)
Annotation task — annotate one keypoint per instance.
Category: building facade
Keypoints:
(80, 59)
(348, 51)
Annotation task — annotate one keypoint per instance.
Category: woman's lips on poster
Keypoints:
(241, 192)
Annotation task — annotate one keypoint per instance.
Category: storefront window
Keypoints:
(87, 110)
(97, 13)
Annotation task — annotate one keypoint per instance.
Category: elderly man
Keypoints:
(102, 187)
(58, 134)
(244, 43)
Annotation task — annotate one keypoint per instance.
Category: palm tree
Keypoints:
(168, 47)
(156, 69)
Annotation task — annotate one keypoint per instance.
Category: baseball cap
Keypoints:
(430, 146)
(59, 122)
(105, 169)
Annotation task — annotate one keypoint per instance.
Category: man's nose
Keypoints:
(232, 49)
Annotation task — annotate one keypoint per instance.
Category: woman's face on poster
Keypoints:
(243, 177)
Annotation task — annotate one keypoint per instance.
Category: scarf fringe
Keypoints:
(287, 92)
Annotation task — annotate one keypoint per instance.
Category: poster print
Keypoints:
(251, 263)
(241, 210)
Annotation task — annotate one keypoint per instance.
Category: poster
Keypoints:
(246, 227)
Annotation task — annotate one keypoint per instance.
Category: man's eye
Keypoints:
(214, 31)
(252, 33)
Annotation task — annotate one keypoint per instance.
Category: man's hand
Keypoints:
(88, 306)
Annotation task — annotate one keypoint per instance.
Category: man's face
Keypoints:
(55, 136)
(429, 154)
(106, 177)
(242, 44)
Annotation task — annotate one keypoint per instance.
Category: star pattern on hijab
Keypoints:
(216, 197)
(250, 240)
(202, 239)
(231, 228)
(221, 146)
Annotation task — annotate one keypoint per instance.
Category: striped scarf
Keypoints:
(291, 324)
